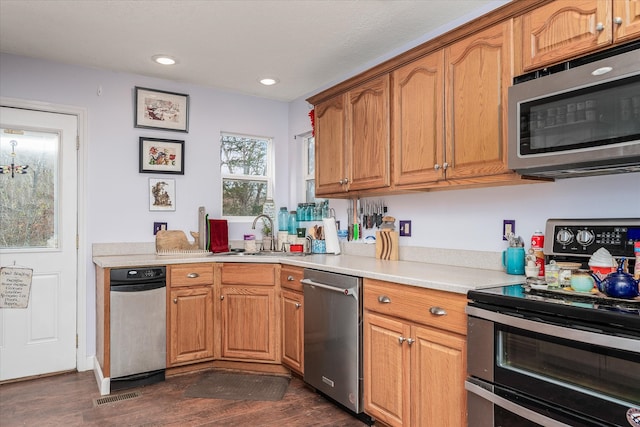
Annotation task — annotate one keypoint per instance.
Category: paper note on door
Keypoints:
(15, 287)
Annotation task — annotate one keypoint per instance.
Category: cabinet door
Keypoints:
(368, 141)
(562, 30)
(190, 336)
(293, 330)
(248, 323)
(438, 366)
(626, 18)
(418, 127)
(330, 146)
(386, 370)
(478, 77)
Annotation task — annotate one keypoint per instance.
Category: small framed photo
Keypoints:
(157, 109)
(161, 156)
(162, 194)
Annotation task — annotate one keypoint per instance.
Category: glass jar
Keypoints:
(309, 213)
(283, 219)
(293, 223)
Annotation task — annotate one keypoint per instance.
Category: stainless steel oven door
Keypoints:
(584, 374)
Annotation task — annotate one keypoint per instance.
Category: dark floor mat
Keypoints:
(235, 386)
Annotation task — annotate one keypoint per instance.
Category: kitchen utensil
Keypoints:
(581, 281)
(618, 284)
(513, 260)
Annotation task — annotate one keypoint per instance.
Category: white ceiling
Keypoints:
(229, 44)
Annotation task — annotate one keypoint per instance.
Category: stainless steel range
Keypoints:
(557, 358)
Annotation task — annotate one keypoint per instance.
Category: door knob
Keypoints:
(221, 297)
(617, 20)
(298, 305)
(175, 300)
(410, 341)
(599, 27)
(401, 339)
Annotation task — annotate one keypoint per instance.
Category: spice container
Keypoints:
(551, 272)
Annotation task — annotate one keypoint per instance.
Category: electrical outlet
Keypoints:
(508, 226)
(157, 226)
(405, 228)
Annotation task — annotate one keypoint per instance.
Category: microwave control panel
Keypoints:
(583, 238)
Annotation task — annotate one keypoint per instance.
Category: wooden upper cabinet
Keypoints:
(478, 75)
(418, 126)
(626, 20)
(563, 30)
(330, 146)
(368, 135)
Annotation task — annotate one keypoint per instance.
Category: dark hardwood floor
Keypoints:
(68, 400)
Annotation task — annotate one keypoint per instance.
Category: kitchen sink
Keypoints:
(260, 253)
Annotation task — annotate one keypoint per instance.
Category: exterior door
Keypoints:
(38, 229)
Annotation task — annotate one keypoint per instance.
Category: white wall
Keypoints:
(117, 200)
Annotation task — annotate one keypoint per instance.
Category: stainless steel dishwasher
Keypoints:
(138, 326)
(333, 336)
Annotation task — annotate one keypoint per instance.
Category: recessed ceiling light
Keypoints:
(164, 59)
(269, 81)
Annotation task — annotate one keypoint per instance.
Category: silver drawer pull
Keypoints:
(298, 305)
(193, 275)
(383, 299)
(290, 278)
(401, 339)
(410, 341)
(438, 311)
(221, 297)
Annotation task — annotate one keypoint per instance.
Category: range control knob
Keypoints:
(585, 237)
(564, 237)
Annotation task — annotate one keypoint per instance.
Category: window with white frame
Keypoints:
(247, 174)
(309, 165)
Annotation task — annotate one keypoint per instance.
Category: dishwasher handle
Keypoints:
(345, 291)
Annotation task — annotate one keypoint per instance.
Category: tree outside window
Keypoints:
(245, 164)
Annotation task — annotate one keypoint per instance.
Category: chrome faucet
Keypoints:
(272, 245)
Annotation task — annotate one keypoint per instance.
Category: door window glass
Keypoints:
(28, 189)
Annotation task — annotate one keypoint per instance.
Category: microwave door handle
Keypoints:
(508, 405)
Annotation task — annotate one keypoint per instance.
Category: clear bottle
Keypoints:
(293, 223)
(283, 219)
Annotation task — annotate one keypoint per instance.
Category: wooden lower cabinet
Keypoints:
(191, 325)
(293, 330)
(249, 314)
(413, 372)
(190, 314)
(292, 311)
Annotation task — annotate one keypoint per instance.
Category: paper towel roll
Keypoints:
(331, 235)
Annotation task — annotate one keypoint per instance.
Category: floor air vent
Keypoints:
(115, 398)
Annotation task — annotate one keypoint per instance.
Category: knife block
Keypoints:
(387, 245)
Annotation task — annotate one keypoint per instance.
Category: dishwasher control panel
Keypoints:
(142, 274)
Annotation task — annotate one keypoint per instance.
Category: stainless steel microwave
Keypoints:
(580, 118)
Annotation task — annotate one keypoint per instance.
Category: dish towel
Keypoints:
(218, 235)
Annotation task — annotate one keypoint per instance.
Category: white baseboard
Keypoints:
(104, 384)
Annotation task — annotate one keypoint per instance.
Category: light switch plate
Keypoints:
(405, 228)
(157, 226)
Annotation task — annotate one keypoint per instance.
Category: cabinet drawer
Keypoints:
(290, 277)
(190, 274)
(416, 304)
(249, 274)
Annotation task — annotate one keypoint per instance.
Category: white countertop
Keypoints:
(434, 276)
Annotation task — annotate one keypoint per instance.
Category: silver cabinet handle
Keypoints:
(599, 27)
(175, 300)
(401, 339)
(221, 297)
(410, 341)
(193, 275)
(383, 299)
(438, 311)
(290, 278)
(445, 166)
(298, 305)
(343, 181)
(436, 167)
(617, 20)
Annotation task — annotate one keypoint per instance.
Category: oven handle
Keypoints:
(619, 343)
(347, 291)
(508, 405)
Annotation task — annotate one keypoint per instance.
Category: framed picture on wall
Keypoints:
(161, 156)
(157, 109)
(162, 194)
